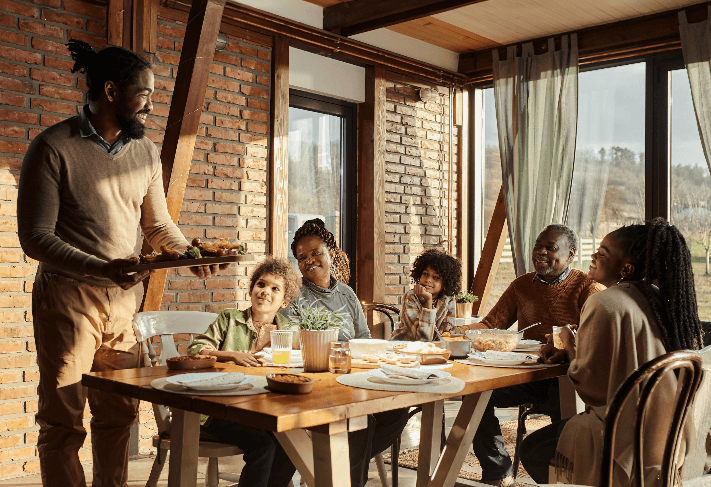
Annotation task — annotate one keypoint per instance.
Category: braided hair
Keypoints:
(448, 268)
(658, 252)
(340, 264)
(111, 64)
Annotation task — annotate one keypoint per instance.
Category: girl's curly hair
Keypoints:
(340, 264)
(448, 268)
(282, 268)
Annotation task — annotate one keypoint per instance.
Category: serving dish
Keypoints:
(493, 339)
(168, 264)
(458, 347)
(191, 362)
(367, 346)
(290, 383)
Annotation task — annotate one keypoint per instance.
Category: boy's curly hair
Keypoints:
(448, 268)
(282, 268)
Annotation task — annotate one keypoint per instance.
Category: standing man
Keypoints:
(87, 185)
(552, 296)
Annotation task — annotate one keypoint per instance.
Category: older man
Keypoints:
(553, 296)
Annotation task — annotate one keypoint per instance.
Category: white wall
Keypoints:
(343, 80)
(310, 14)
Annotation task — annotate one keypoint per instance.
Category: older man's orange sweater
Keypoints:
(530, 301)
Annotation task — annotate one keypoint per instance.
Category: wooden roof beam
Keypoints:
(357, 16)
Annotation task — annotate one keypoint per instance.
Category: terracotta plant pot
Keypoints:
(464, 310)
(315, 345)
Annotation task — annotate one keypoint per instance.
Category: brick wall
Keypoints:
(226, 194)
(416, 183)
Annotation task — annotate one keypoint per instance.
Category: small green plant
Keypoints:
(308, 316)
(466, 298)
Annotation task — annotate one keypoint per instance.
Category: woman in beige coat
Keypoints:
(649, 309)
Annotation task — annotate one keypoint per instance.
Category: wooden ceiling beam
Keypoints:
(358, 16)
(625, 39)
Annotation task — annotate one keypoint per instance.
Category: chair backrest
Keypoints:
(701, 414)
(392, 312)
(644, 380)
(166, 324)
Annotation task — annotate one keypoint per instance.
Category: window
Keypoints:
(690, 187)
(322, 167)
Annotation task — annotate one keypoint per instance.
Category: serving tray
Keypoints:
(168, 264)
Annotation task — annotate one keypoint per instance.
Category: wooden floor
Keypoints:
(140, 467)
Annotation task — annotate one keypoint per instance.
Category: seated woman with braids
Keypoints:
(648, 310)
(325, 270)
(428, 308)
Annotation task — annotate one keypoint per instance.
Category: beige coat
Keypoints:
(618, 333)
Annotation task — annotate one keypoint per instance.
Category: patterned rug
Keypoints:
(471, 469)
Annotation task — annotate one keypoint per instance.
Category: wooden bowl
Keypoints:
(191, 363)
(294, 383)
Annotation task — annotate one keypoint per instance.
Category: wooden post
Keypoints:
(462, 120)
(184, 116)
(279, 170)
(490, 255)
(370, 252)
(114, 23)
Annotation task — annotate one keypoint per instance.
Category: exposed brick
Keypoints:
(264, 80)
(41, 29)
(58, 63)
(12, 131)
(230, 148)
(254, 91)
(12, 69)
(222, 84)
(13, 54)
(18, 8)
(86, 9)
(239, 74)
(255, 65)
(257, 116)
(241, 49)
(14, 393)
(51, 77)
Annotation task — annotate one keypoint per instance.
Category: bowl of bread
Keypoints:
(191, 362)
(493, 339)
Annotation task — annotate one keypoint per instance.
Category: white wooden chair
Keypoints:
(165, 324)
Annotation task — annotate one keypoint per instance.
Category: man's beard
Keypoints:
(131, 127)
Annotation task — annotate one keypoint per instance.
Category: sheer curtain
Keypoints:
(536, 99)
(696, 47)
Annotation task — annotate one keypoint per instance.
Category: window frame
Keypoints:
(349, 162)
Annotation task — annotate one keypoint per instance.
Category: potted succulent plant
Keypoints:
(318, 327)
(465, 302)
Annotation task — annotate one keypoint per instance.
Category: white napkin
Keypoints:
(406, 373)
(224, 379)
(493, 355)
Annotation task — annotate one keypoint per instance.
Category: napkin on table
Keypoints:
(393, 371)
(224, 379)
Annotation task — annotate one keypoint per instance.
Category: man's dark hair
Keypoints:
(570, 235)
(111, 64)
(448, 268)
(659, 253)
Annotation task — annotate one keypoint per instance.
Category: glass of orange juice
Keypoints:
(281, 346)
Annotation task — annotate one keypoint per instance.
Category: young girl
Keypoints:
(431, 303)
(236, 336)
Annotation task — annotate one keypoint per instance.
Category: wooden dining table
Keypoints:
(313, 428)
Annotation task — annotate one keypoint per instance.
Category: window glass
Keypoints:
(315, 168)
(690, 187)
(608, 179)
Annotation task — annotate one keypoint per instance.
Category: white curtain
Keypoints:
(696, 46)
(536, 99)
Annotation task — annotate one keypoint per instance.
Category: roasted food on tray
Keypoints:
(198, 249)
(184, 358)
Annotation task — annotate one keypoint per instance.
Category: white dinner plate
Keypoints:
(185, 379)
(528, 346)
(477, 358)
(441, 374)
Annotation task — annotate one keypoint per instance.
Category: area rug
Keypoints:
(471, 469)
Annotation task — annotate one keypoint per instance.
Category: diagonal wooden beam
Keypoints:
(490, 255)
(184, 116)
(357, 16)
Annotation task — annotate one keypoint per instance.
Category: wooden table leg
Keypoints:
(332, 467)
(430, 438)
(459, 440)
(297, 444)
(184, 445)
(570, 402)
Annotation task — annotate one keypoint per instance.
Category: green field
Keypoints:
(702, 281)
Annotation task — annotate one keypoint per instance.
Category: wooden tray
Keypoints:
(168, 264)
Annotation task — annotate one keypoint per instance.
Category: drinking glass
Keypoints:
(557, 342)
(339, 358)
(281, 347)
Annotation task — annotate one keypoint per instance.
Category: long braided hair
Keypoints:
(340, 263)
(658, 252)
(110, 64)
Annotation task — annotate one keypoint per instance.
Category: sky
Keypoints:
(611, 113)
